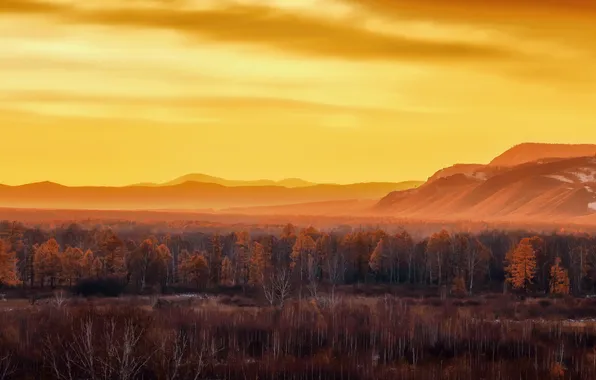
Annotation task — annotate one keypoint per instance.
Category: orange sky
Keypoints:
(113, 92)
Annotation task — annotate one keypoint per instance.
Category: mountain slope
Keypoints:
(529, 152)
(557, 189)
(185, 196)
(456, 169)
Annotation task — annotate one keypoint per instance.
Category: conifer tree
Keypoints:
(521, 268)
(559, 279)
(257, 264)
(46, 263)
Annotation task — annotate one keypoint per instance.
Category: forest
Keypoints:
(131, 302)
(145, 261)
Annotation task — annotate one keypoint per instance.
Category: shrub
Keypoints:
(104, 286)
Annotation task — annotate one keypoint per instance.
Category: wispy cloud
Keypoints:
(280, 29)
(30, 6)
(211, 103)
(496, 10)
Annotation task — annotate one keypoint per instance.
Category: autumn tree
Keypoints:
(215, 258)
(227, 272)
(323, 247)
(380, 261)
(242, 257)
(287, 239)
(71, 260)
(258, 264)
(312, 232)
(114, 252)
(87, 264)
(559, 278)
(161, 265)
(195, 269)
(8, 265)
(47, 264)
(97, 267)
(182, 257)
(521, 267)
(289, 231)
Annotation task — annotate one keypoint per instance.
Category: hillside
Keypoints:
(555, 189)
(519, 154)
(456, 169)
(529, 152)
(185, 196)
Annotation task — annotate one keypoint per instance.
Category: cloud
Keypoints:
(30, 6)
(219, 103)
(496, 10)
(279, 29)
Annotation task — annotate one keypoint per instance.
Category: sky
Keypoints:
(115, 92)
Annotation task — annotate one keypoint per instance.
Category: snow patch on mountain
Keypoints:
(586, 175)
(560, 178)
(481, 175)
(592, 206)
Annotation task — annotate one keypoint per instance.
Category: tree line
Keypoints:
(303, 259)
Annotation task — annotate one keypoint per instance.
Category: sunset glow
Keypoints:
(116, 92)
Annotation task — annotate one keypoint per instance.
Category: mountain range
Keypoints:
(188, 195)
(529, 182)
(204, 178)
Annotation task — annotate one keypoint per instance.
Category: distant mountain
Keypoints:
(204, 178)
(519, 154)
(189, 195)
(546, 189)
(529, 152)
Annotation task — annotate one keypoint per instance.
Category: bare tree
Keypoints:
(121, 354)
(312, 276)
(174, 351)
(59, 299)
(7, 368)
(335, 271)
(120, 361)
(77, 354)
(268, 290)
(185, 355)
(477, 255)
(277, 286)
(282, 284)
